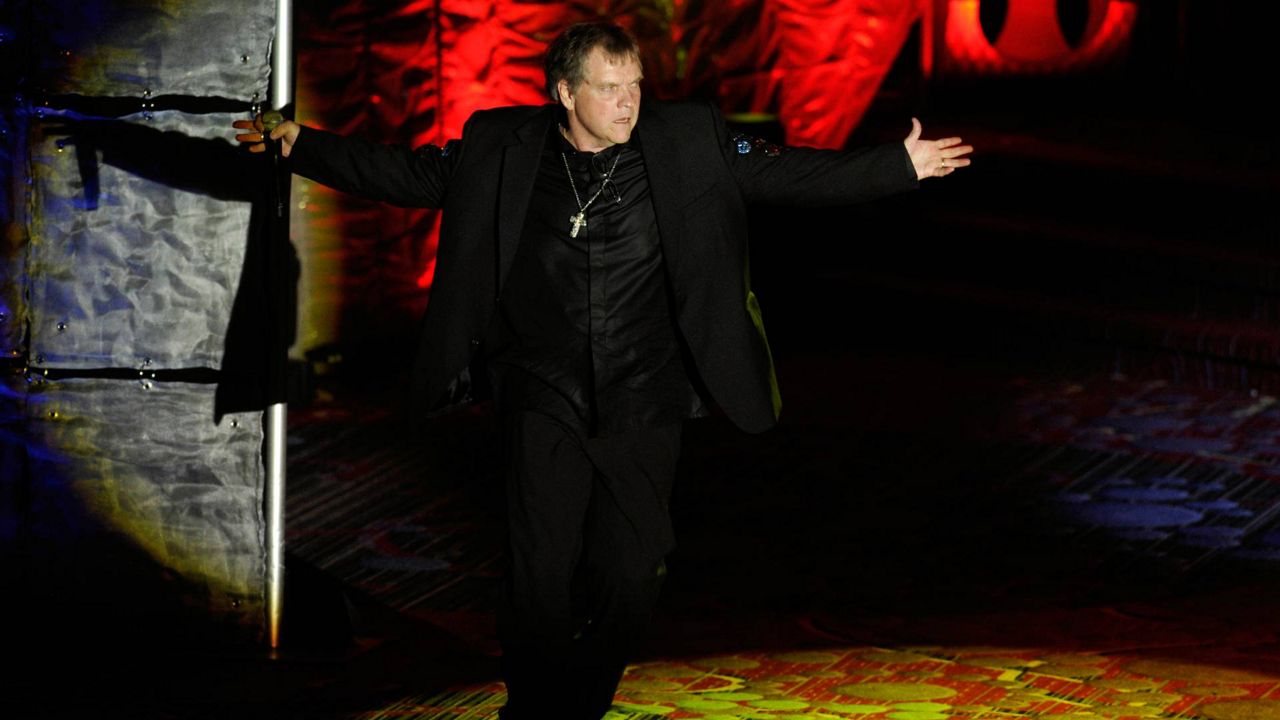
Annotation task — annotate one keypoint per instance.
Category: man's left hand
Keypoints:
(935, 158)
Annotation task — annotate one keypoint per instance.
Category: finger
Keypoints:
(957, 151)
(947, 142)
(249, 138)
(916, 129)
(243, 125)
(257, 148)
(278, 132)
(946, 167)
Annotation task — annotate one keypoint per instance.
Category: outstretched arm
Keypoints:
(805, 176)
(388, 173)
(935, 158)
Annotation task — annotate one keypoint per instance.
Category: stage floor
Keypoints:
(918, 539)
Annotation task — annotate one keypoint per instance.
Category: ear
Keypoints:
(566, 97)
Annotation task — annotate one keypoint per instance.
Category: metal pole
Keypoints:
(275, 477)
(276, 413)
(282, 56)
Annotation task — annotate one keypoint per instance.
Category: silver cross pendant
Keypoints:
(579, 221)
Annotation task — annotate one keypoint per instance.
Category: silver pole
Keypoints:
(275, 462)
(274, 441)
(282, 56)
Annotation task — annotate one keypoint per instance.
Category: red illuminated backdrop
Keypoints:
(413, 71)
(1031, 40)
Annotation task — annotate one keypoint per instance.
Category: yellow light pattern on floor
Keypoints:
(910, 683)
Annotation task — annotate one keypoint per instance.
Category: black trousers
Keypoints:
(588, 529)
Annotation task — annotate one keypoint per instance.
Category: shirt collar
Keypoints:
(562, 144)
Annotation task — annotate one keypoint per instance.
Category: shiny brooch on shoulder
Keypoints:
(745, 144)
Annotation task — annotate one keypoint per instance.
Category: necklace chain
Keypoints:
(579, 221)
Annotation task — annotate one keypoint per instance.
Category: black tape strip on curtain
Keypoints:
(114, 107)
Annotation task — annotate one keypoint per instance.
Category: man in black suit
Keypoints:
(593, 258)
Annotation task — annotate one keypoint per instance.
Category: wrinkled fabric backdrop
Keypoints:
(121, 493)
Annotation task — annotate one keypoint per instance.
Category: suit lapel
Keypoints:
(666, 180)
(520, 159)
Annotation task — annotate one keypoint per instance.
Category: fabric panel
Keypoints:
(136, 48)
(141, 463)
(128, 271)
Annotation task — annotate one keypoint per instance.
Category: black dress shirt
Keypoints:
(584, 330)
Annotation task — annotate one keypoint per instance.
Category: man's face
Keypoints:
(603, 109)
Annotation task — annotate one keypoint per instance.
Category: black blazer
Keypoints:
(700, 179)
